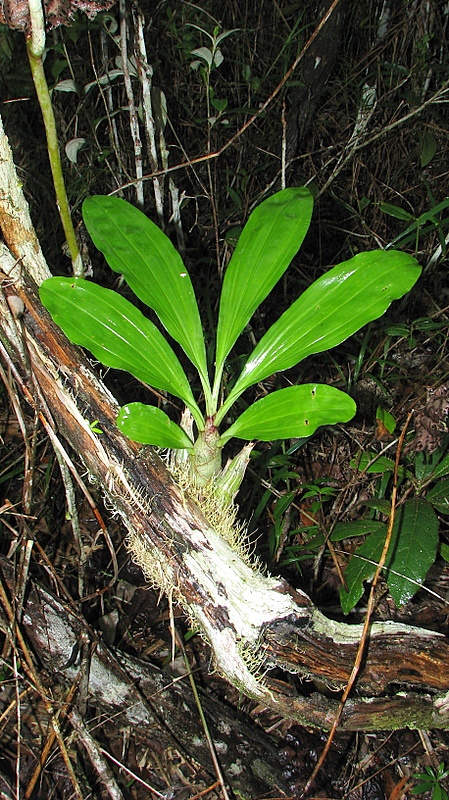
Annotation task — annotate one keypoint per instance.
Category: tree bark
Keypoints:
(252, 621)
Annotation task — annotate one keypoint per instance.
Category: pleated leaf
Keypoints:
(134, 246)
(151, 425)
(271, 237)
(116, 332)
(331, 309)
(291, 412)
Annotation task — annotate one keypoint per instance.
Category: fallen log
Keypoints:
(254, 623)
(139, 697)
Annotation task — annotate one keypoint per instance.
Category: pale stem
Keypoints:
(35, 49)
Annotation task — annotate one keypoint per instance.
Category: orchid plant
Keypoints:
(335, 306)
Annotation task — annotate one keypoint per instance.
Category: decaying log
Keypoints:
(253, 622)
(139, 697)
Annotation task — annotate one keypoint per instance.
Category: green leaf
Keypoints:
(439, 496)
(444, 551)
(361, 568)
(204, 53)
(359, 527)
(294, 411)
(331, 309)
(378, 504)
(426, 785)
(372, 463)
(151, 425)
(271, 237)
(441, 469)
(134, 246)
(396, 211)
(386, 419)
(429, 146)
(117, 334)
(412, 551)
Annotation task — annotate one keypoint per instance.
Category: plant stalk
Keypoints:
(35, 56)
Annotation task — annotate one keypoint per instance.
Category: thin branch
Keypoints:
(369, 611)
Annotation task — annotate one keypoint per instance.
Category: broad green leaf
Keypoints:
(290, 412)
(411, 553)
(117, 334)
(151, 425)
(331, 309)
(361, 568)
(439, 496)
(412, 550)
(271, 237)
(134, 246)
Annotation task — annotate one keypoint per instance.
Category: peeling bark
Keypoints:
(253, 622)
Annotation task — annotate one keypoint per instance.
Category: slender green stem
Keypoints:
(43, 96)
(217, 386)
(230, 400)
(210, 404)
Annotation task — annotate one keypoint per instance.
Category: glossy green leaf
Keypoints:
(331, 309)
(411, 552)
(271, 237)
(439, 496)
(134, 246)
(294, 411)
(413, 549)
(151, 425)
(117, 333)
(361, 568)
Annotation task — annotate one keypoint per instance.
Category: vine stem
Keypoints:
(369, 611)
(35, 50)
